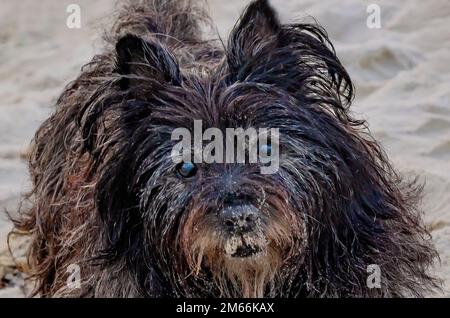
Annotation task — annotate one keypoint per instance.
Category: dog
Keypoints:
(109, 199)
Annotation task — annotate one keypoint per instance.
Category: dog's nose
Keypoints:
(239, 219)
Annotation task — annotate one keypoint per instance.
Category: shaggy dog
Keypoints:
(108, 198)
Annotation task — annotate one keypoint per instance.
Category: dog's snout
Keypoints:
(240, 218)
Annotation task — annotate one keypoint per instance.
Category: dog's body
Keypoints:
(108, 198)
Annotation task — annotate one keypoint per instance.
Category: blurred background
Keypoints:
(397, 53)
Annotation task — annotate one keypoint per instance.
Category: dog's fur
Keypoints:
(107, 198)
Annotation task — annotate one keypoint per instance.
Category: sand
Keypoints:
(401, 72)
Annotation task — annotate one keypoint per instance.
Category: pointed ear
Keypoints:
(139, 60)
(256, 30)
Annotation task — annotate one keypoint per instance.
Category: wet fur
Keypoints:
(105, 195)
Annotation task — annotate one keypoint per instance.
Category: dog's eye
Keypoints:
(266, 150)
(265, 153)
(186, 169)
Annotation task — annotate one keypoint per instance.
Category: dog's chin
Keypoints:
(245, 246)
(249, 263)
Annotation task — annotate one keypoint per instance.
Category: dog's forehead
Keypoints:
(239, 104)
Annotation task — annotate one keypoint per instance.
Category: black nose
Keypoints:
(240, 218)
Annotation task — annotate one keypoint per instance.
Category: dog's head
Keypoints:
(227, 228)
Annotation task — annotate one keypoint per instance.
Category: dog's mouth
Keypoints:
(245, 246)
(246, 251)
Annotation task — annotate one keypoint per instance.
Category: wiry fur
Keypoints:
(106, 197)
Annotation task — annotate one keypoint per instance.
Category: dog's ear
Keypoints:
(255, 32)
(139, 60)
(297, 57)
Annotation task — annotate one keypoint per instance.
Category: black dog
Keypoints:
(109, 198)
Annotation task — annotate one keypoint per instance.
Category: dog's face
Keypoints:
(227, 227)
(114, 194)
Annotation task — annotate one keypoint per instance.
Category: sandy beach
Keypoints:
(401, 72)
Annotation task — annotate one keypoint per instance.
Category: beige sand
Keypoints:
(401, 72)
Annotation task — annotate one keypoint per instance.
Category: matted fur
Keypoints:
(106, 197)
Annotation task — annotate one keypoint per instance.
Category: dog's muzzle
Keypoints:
(242, 223)
(240, 218)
